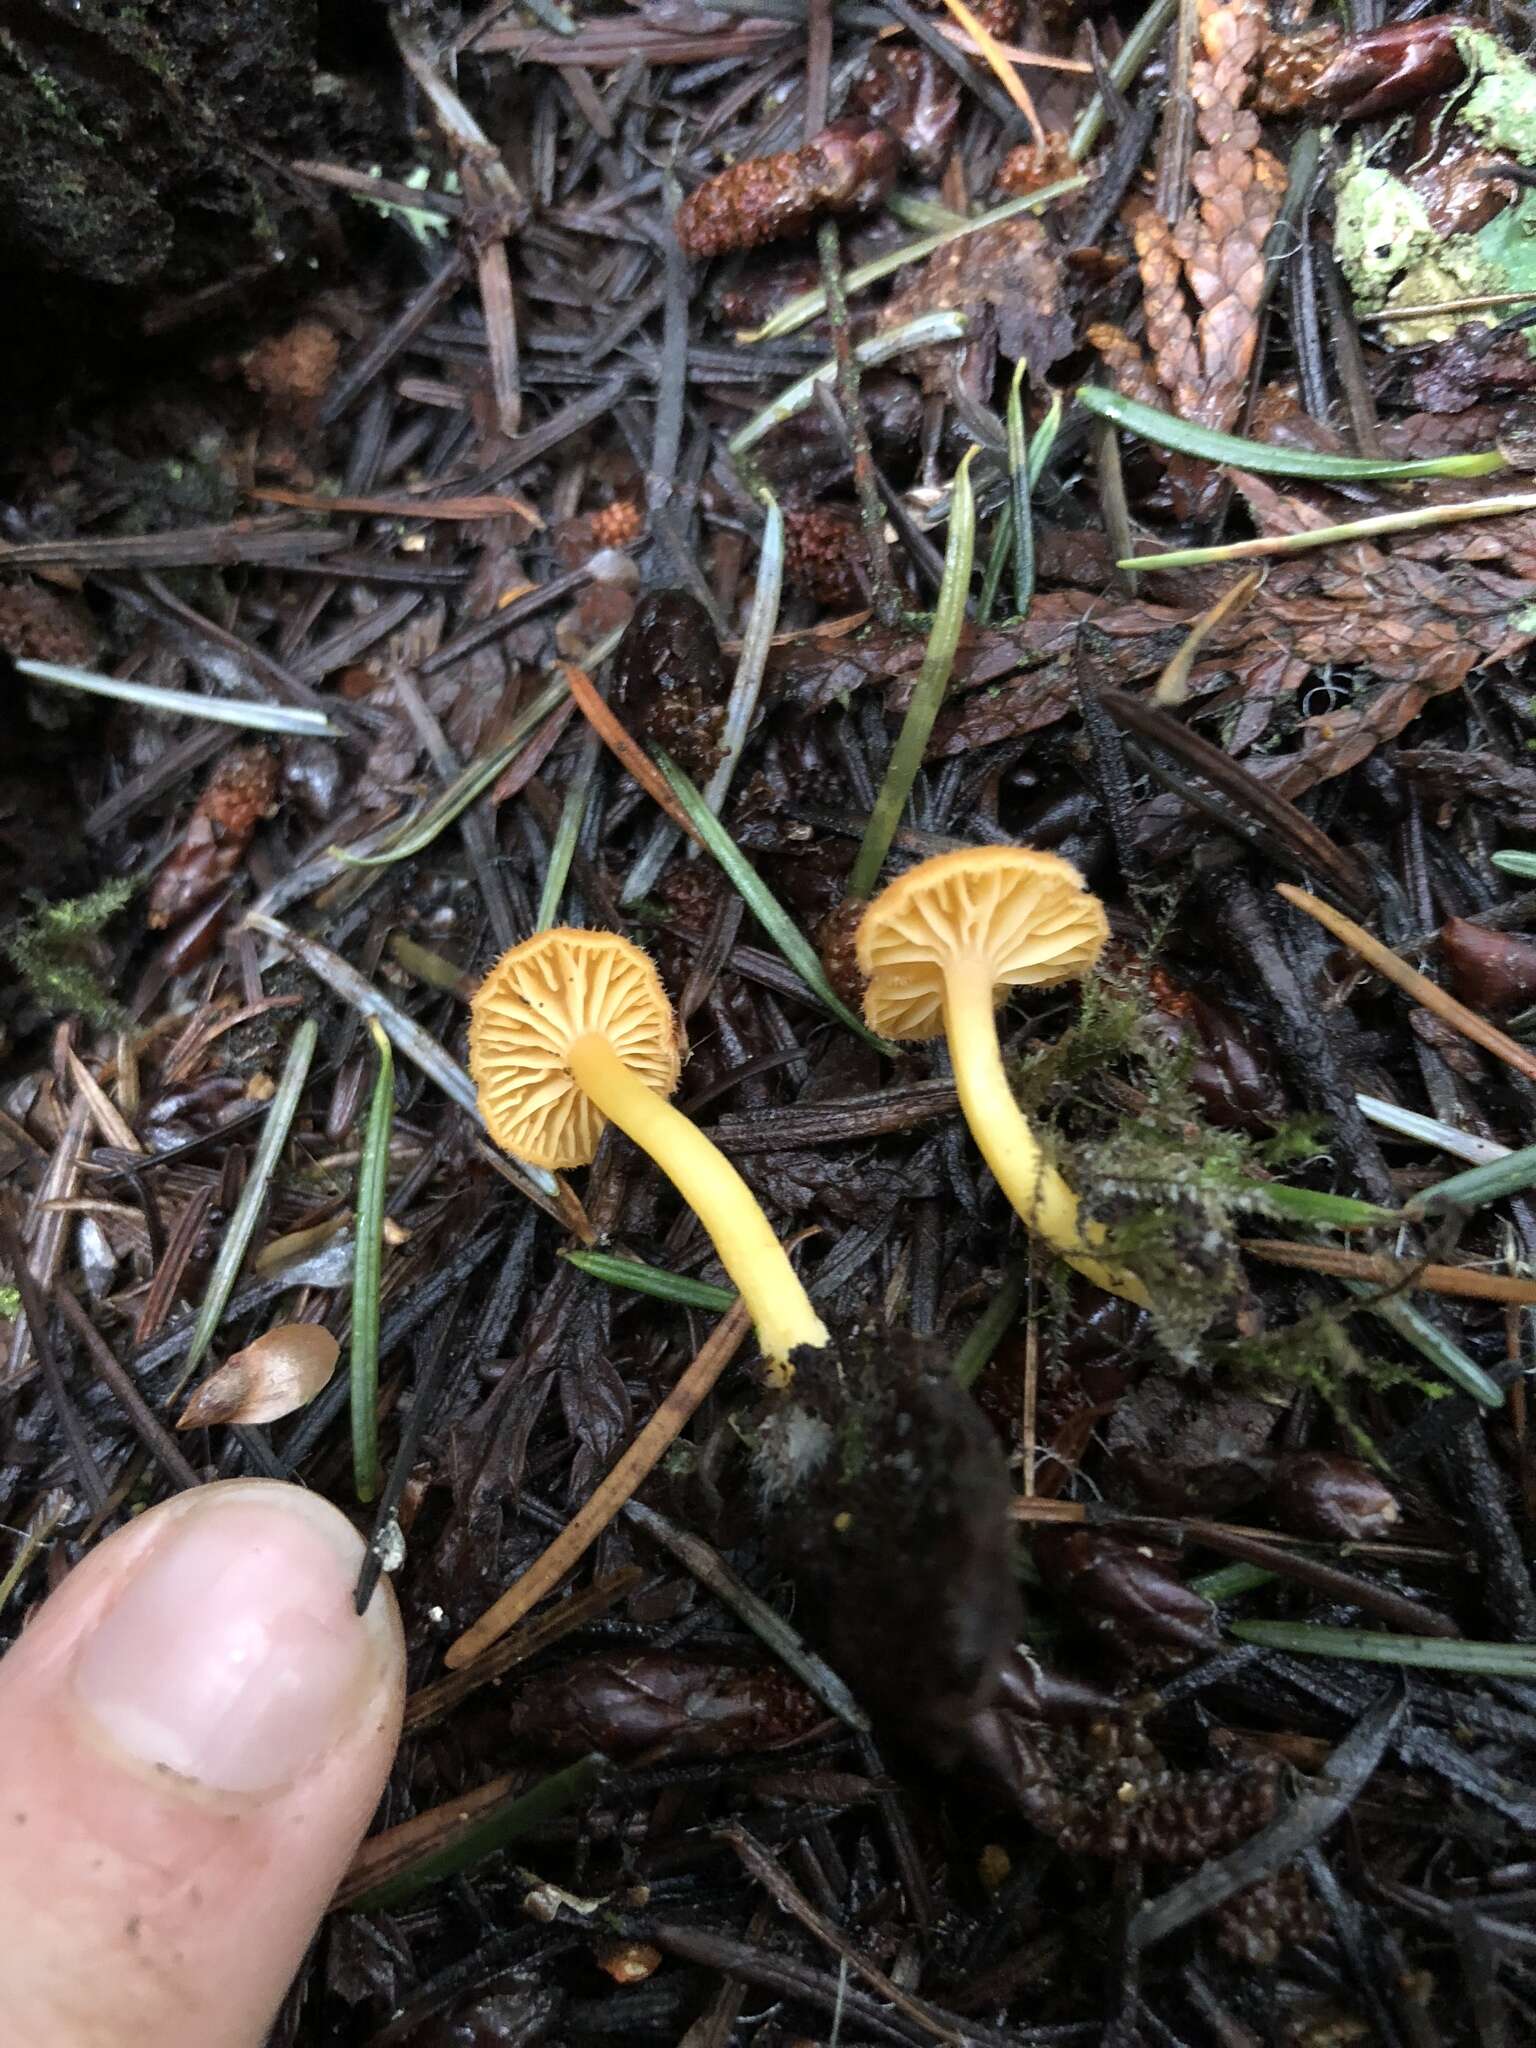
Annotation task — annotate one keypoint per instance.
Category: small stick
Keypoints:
(884, 595)
(1392, 1607)
(594, 1515)
(789, 1899)
(35, 1314)
(151, 1431)
(766, 1623)
(1426, 993)
(1519, 1415)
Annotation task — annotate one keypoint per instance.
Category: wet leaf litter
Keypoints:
(1081, 1589)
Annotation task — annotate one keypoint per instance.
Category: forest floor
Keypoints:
(737, 427)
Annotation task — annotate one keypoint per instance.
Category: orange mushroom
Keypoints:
(941, 945)
(573, 1029)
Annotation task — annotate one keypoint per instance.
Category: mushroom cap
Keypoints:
(1029, 915)
(527, 1014)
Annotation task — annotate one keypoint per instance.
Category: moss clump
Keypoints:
(1166, 1185)
(1111, 1026)
(55, 954)
(1172, 1190)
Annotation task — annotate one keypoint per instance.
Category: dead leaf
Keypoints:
(1363, 76)
(269, 1379)
(1007, 281)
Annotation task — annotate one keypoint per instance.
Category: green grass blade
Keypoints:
(756, 640)
(1041, 443)
(970, 1361)
(1272, 545)
(367, 1267)
(997, 561)
(184, 703)
(760, 900)
(1043, 440)
(810, 305)
(1228, 1580)
(1432, 1343)
(1375, 1646)
(1428, 1130)
(1329, 1212)
(932, 681)
(41, 1523)
(1165, 430)
(504, 1823)
(1479, 1186)
(927, 328)
(1144, 36)
(1018, 485)
(652, 1280)
(573, 814)
(472, 782)
(237, 1234)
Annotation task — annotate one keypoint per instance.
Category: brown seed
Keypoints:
(1320, 1493)
(1291, 66)
(616, 525)
(269, 1379)
(628, 1962)
(1489, 970)
(1132, 1584)
(241, 791)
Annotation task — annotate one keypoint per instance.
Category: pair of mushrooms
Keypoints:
(572, 1029)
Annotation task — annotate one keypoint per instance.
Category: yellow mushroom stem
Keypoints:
(1037, 1191)
(757, 1263)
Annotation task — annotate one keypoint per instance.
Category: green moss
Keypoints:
(1501, 107)
(1111, 1025)
(1318, 1352)
(1389, 248)
(1172, 1190)
(53, 951)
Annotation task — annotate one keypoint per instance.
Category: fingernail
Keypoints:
(233, 1656)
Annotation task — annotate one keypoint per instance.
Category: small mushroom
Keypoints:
(573, 1029)
(941, 945)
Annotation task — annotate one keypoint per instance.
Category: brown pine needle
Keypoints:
(429, 1703)
(1426, 993)
(1172, 686)
(1014, 52)
(626, 750)
(486, 505)
(594, 1515)
(997, 61)
(1380, 1271)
